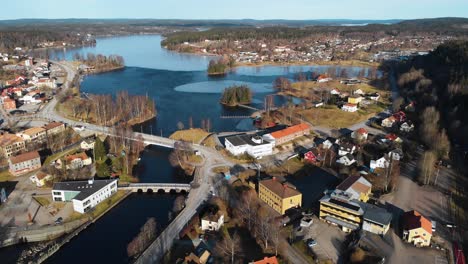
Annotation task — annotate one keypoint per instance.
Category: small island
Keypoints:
(236, 95)
(220, 66)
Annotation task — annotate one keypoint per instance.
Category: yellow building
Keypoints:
(359, 188)
(339, 209)
(281, 196)
(354, 99)
(417, 229)
(11, 144)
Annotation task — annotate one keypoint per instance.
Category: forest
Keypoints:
(453, 26)
(30, 39)
(235, 95)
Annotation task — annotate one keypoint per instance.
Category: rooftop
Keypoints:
(25, 157)
(282, 189)
(240, 140)
(33, 130)
(413, 219)
(52, 125)
(8, 139)
(80, 155)
(355, 185)
(85, 188)
(267, 260)
(376, 214)
(290, 130)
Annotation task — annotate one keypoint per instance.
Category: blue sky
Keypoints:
(234, 9)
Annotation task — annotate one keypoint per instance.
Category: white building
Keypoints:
(349, 108)
(84, 194)
(381, 163)
(254, 145)
(87, 144)
(346, 160)
(212, 222)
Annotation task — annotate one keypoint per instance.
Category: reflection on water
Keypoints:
(218, 86)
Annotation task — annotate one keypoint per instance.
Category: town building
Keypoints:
(376, 220)
(9, 104)
(77, 161)
(349, 107)
(11, 144)
(359, 188)
(388, 122)
(212, 222)
(24, 163)
(279, 195)
(33, 134)
(354, 99)
(313, 156)
(84, 195)
(335, 91)
(407, 127)
(417, 229)
(266, 260)
(54, 128)
(40, 178)
(346, 148)
(254, 146)
(339, 209)
(381, 163)
(285, 135)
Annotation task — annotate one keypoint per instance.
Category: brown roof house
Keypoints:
(280, 195)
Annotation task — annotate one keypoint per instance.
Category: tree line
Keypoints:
(101, 62)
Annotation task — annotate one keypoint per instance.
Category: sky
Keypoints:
(234, 9)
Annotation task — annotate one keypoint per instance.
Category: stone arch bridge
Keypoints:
(157, 187)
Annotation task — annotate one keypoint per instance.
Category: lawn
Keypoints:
(195, 135)
(335, 117)
(5, 176)
(288, 167)
(42, 200)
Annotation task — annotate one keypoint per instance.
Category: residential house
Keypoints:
(407, 127)
(212, 222)
(393, 137)
(266, 260)
(323, 78)
(40, 178)
(288, 134)
(46, 82)
(335, 91)
(357, 186)
(54, 128)
(359, 92)
(11, 144)
(346, 148)
(355, 99)
(400, 116)
(9, 104)
(254, 146)
(77, 161)
(346, 160)
(388, 122)
(360, 134)
(376, 220)
(87, 144)
(84, 194)
(381, 163)
(317, 104)
(281, 196)
(36, 134)
(313, 156)
(328, 143)
(349, 107)
(24, 163)
(417, 229)
(396, 154)
(374, 96)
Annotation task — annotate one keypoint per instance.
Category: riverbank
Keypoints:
(355, 63)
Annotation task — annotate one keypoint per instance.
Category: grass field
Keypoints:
(42, 200)
(288, 167)
(194, 135)
(5, 176)
(336, 118)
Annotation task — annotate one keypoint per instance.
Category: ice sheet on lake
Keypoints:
(219, 86)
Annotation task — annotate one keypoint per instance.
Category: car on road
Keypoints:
(59, 221)
(79, 128)
(311, 243)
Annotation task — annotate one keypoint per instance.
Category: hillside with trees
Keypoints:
(101, 63)
(235, 95)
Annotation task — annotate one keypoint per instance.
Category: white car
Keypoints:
(79, 128)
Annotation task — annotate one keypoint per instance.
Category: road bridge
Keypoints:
(157, 187)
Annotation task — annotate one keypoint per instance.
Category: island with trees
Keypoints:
(96, 63)
(220, 66)
(236, 95)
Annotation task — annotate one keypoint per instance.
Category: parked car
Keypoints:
(311, 243)
(59, 221)
(79, 128)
